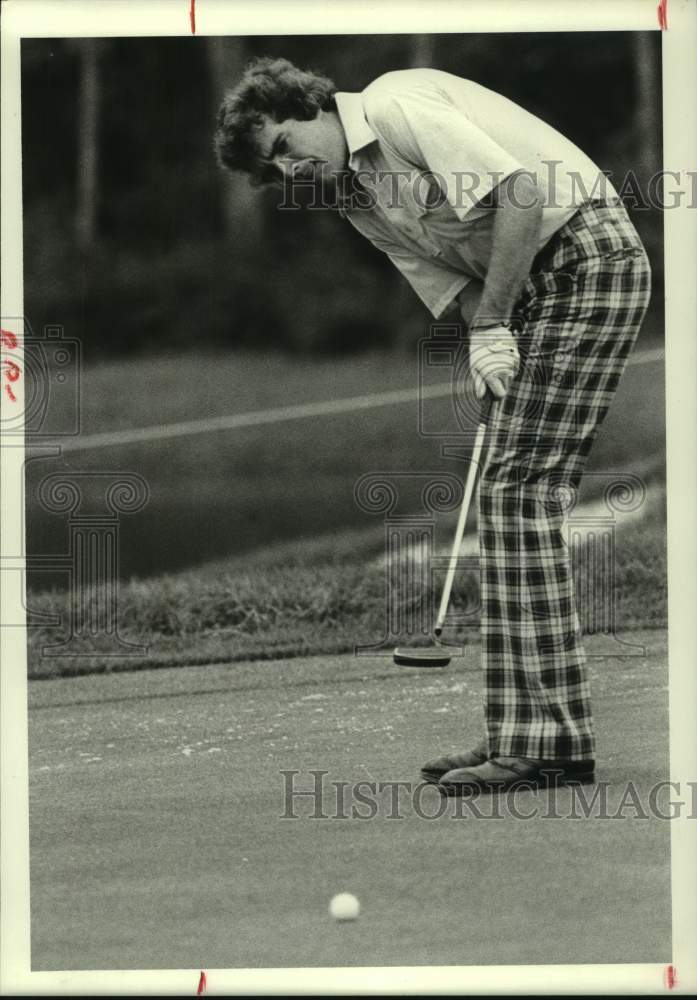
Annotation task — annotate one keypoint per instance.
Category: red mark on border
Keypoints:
(671, 978)
(192, 16)
(11, 370)
(12, 373)
(202, 978)
(662, 14)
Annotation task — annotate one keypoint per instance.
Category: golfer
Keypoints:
(493, 216)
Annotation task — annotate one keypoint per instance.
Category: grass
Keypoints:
(327, 597)
(252, 545)
(159, 795)
(220, 495)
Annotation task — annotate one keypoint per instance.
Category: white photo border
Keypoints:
(109, 18)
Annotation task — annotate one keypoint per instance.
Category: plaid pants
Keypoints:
(577, 318)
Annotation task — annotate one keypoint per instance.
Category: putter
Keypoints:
(438, 656)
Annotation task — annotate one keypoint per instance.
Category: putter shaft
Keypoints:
(462, 520)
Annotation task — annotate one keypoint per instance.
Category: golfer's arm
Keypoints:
(468, 300)
(515, 242)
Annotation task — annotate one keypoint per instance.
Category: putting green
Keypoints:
(157, 837)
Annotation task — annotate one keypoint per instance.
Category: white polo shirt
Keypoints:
(427, 146)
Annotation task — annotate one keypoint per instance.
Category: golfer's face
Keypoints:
(302, 150)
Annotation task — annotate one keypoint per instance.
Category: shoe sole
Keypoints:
(547, 781)
(570, 775)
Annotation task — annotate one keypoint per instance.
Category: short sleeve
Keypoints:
(424, 128)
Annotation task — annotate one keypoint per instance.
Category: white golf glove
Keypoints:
(494, 361)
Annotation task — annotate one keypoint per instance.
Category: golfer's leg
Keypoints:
(580, 326)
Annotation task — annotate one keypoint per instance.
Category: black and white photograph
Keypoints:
(337, 399)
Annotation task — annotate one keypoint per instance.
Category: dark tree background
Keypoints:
(134, 240)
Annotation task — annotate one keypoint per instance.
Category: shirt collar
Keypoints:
(356, 129)
(352, 117)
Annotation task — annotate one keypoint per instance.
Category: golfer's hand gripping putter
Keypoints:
(493, 361)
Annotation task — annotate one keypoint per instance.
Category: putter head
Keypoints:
(429, 656)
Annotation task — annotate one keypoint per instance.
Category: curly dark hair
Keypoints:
(270, 88)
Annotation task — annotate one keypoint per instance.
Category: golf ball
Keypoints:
(344, 906)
